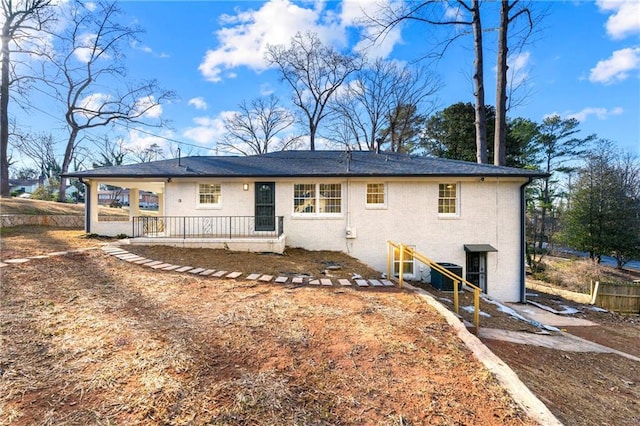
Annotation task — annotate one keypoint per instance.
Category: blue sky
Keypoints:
(584, 63)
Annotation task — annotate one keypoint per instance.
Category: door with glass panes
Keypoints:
(265, 206)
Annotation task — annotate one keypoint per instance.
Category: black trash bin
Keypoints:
(443, 282)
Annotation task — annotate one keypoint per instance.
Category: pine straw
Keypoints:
(89, 339)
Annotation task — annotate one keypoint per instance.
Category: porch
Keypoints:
(238, 233)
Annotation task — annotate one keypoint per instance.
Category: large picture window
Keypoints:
(448, 199)
(209, 194)
(317, 199)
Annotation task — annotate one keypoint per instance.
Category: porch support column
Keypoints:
(134, 203)
(161, 204)
(93, 203)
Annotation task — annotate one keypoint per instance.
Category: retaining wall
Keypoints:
(60, 221)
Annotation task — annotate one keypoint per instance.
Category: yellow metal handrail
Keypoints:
(466, 285)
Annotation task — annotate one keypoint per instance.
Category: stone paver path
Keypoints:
(126, 256)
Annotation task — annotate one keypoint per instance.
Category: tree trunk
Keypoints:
(4, 116)
(478, 80)
(500, 134)
(312, 135)
(68, 156)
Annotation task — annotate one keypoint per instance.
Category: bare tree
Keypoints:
(449, 13)
(40, 149)
(255, 127)
(92, 81)
(22, 22)
(370, 105)
(509, 13)
(148, 154)
(109, 152)
(314, 72)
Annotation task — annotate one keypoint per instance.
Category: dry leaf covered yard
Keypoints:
(89, 339)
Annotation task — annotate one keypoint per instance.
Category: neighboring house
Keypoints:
(24, 186)
(457, 212)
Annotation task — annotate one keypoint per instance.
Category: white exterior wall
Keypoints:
(489, 214)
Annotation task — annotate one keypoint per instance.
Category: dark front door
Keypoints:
(477, 269)
(265, 206)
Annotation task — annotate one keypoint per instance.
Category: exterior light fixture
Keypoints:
(245, 186)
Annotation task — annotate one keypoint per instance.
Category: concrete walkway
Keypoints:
(561, 341)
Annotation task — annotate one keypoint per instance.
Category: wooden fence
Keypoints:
(623, 298)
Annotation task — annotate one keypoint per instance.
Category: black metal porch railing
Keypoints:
(208, 226)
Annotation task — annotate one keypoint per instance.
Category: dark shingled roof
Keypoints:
(306, 164)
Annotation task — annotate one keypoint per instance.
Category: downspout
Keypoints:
(523, 242)
(87, 206)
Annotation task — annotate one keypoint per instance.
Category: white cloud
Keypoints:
(245, 36)
(266, 89)
(85, 52)
(599, 113)
(92, 104)
(138, 140)
(147, 49)
(517, 71)
(207, 130)
(625, 18)
(617, 67)
(198, 103)
(148, 103)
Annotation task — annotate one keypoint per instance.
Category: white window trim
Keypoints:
(376, 206)
(316, 214)
(449, 215)
(207, 206)
(406, 276)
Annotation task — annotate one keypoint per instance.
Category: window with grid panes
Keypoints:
(316, 199)
(304, 198)
(209, 194)
(448, 198)
(330, 198)
(376, 194)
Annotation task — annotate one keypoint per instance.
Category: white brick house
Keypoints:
(457, 212)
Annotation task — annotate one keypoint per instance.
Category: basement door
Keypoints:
(477, 269)
(265, 206)
(477, 264)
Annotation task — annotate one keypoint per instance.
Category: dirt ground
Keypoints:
(137, 346)
(89, 339)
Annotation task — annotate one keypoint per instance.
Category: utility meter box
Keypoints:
(350, 232)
